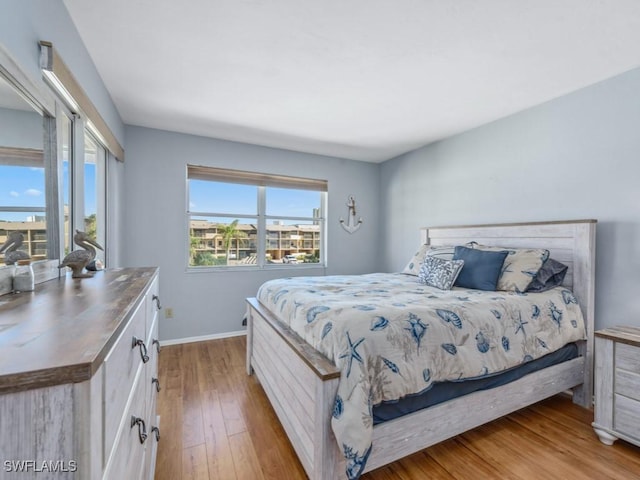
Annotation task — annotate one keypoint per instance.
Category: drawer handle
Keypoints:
(156, 430)
(157, 382)
(156, 342)
(138, 342)
(142, 428)
(156, 298)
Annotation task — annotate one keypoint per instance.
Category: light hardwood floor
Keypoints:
(217, 423)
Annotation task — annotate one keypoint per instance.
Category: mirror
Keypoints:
(23, 206)
(29, 204)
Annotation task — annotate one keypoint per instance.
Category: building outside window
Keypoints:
(23, 208)
(245, 219)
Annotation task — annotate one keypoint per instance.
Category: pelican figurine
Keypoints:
(10, 249)
(78, 259)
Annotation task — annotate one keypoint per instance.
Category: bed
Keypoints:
(302, 384)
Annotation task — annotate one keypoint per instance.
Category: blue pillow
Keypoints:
(481, 268)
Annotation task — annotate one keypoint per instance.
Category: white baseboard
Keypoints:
(202, 338)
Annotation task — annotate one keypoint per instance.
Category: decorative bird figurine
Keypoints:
(10, 249)
(78, 259)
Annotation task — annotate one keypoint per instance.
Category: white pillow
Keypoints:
(443, 252)
(413, 267)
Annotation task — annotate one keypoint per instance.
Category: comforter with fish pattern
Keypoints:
(391, 336)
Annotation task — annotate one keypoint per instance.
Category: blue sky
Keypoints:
(21, 187)
(214, 197)
(24, 187)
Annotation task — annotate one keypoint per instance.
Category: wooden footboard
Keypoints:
(301, 383)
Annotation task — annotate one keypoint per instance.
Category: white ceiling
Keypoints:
(359, 79)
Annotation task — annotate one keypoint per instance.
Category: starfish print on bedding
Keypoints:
(520, 325)
(352, 353)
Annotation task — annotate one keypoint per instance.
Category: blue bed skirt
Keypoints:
(441, 392)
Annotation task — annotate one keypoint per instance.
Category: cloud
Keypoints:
(192, 205)
(13, 193)
(33, 192)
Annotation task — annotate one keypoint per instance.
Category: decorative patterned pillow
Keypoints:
(413, 267)
(440, 273)
(519, 268)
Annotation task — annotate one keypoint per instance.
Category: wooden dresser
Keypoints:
(79, 378)
(617, 385)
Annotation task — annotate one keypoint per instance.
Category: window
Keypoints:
(22, 201)
(94, 191)
(243, 219)
(83, 181)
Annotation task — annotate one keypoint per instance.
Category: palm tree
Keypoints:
(230, 232)
(194, 243)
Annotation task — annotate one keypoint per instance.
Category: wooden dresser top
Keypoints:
(622, 334)
(62, 332)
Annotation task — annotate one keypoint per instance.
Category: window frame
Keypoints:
(261, 181)
(79, 129)
(101, 165)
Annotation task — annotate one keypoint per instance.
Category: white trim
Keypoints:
(202, 338)
(39, 98)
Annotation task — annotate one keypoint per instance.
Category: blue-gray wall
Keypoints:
(575, 157)
(209, 303)
(20, 129)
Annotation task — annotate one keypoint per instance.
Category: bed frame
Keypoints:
(301, 383)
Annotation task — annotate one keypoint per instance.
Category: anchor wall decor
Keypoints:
(351, 225)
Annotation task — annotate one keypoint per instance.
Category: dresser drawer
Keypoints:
(152, 340)
(152, 444)
(151, 368)
(627, 384)
(121, 367)
(152, 392)
(628, 357)
(153, 303)
(128, 454)
(627, 416)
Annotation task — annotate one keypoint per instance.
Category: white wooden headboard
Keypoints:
(571, 242)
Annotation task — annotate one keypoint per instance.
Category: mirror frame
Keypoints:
(44, 103)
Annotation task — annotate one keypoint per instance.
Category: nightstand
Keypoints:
(617, 385)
